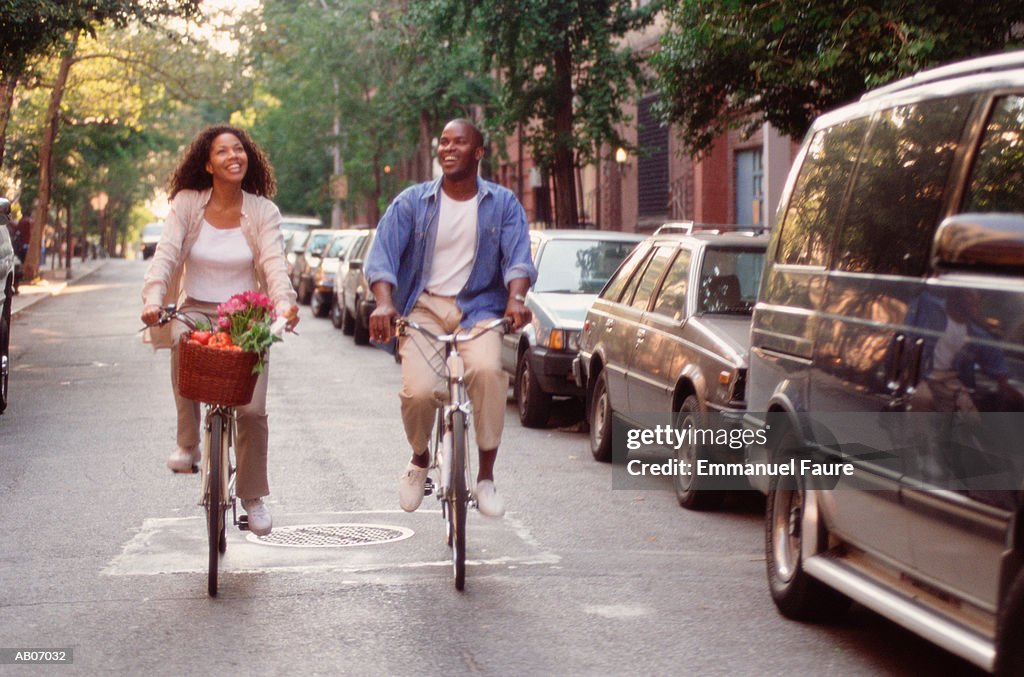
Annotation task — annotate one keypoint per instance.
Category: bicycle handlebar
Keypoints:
(403, 323)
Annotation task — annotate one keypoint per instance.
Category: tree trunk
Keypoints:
(7, 85)
(424, 153)
(42, 208)
(564, 165)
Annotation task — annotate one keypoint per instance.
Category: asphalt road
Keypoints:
(102, 549)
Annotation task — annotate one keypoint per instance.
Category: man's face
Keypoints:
(459, 151)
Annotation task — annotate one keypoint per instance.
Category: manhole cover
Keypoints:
(332, 535)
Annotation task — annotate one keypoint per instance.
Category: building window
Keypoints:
(652, 165)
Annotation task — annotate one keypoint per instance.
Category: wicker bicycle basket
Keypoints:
(215, 376)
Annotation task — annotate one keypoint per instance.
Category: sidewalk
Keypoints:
(52, 282)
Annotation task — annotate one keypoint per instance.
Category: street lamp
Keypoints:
(621, 156)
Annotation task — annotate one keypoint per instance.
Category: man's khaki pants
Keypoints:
(424, 374)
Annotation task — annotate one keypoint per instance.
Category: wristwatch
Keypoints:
(519, 297)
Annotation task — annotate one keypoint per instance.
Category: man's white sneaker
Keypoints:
(410, 487)
(488, 501)
(184, 460)
(259, 517)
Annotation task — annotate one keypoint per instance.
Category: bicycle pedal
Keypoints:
(428, 486)
(243, 523)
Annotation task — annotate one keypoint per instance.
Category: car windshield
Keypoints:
(578, 266)
(318, 242)
(339, 245)
(729, 279)
(153, 230)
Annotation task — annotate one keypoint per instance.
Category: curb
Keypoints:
(30, 294)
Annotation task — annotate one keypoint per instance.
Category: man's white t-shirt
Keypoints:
(220, 265)
(455, 246)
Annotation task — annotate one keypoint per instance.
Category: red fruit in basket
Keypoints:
(201, 337)
(221, 339)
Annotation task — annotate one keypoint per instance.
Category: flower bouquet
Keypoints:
(246, 320)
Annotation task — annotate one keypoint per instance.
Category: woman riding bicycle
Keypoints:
(222, 237)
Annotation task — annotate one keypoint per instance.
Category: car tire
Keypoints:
(360, 331)
(534, 404)
(348, 323)
(316, 304)
(5, 343)
(689, 490)
(335, 312)
(796, 594)
(1010, 632)
(600, 420)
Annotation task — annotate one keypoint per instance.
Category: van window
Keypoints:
(997, 183)
(649, 280)
(672, 297)
(613, 291)
(898, 190)
(810, 221)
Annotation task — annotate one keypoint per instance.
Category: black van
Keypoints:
(887, 363)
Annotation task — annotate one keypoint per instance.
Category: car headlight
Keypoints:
(564, 339)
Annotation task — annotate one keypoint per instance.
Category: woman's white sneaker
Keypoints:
(260, 522)
(488, 501)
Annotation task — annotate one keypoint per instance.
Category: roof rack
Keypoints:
(689, 227)
(985, 64)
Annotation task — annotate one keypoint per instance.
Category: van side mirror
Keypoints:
(993, 242)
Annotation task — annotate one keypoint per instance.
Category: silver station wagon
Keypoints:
(668, 336)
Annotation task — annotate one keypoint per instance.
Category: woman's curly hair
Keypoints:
(191, 173)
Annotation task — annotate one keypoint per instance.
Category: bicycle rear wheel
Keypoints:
(215, 428)
(459, 503)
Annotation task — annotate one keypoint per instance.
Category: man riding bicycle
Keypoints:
(451, 253)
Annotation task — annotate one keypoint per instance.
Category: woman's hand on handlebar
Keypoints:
(151, 315)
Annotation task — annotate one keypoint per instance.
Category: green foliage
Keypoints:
(727, 64)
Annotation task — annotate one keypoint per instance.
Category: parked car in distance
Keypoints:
(355, 300)
(291, 223)
(669, 335)
(150, 238)
(306, 257)
(322, 297)
(572, 266)
(888, 333)
(8, 263)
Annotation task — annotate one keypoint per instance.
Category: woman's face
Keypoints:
(228, 161)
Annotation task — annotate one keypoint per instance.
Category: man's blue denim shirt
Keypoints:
(403, 250)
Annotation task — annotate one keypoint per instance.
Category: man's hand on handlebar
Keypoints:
(381, 320)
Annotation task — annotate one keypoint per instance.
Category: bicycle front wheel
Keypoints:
(215, 428)
(459, 504)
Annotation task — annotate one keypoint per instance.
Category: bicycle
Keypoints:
(218, 469)
(449, 445)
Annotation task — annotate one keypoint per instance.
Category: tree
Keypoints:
(565, 75)
(731, 64)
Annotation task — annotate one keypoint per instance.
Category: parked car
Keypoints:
(322, 297)
(306, 257)
(889, 328)
(291, 223)
(150, 238)
(355, 300)
(669, 335)
(572, 266)
(8, 263)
